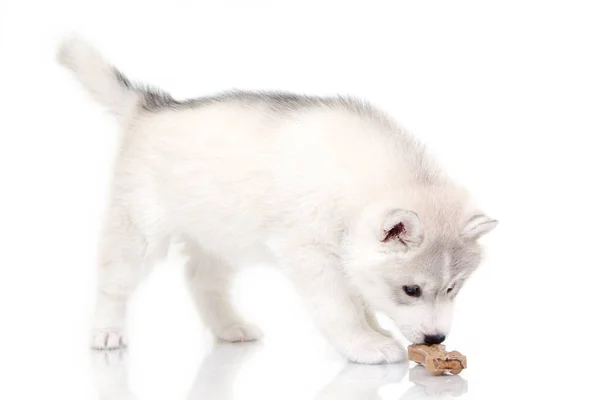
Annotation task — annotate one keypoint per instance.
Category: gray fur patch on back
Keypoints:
(277, 101)
(282, 103)
(156, 100)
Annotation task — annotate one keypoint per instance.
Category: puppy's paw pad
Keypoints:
(382, 351)
(108, 340)
(240, 332)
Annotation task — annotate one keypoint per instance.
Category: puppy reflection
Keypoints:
(360, 381)
(110, 375)
(364, 382)
(427, 386)
(215, 378)
(219, 370)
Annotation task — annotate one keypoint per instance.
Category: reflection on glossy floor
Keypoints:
(219, 372)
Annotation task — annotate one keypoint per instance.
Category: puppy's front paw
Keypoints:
(377, 350)
(108, 340)
(239, 332)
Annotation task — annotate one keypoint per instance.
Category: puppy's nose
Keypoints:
(434, 339)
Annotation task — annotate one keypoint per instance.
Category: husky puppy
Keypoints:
(332, 191)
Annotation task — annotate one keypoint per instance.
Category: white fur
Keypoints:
(312, 190)
(96, 74)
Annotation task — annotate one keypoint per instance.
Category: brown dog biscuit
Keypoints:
(436, 359)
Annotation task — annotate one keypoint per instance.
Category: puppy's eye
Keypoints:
(412, 291)
(450, 289)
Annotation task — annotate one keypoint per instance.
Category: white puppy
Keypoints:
(332, 191)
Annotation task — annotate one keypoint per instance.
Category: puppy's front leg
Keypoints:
(337, 310)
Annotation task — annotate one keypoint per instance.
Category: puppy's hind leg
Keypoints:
(126, 255)
(209, 280)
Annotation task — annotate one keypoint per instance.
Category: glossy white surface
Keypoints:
(172, 357)
(506, 94)
(240, 371)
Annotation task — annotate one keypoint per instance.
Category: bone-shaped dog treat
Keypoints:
(436, 359)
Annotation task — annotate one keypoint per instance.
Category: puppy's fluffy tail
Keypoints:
(103, 81)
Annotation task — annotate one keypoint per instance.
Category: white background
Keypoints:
(505, 93)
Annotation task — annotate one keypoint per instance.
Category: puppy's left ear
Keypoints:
(478, 226)
(401, 227)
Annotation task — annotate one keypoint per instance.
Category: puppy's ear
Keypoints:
(401, 227)
(478, 226)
